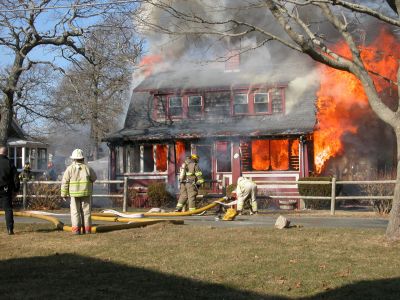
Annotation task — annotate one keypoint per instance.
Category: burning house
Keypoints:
(241, 123)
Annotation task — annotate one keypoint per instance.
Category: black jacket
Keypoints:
(9, 181)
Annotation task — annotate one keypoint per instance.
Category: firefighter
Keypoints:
(26, 172)
(246, 190)
(77, 183)
(190, 179)
(9, 185)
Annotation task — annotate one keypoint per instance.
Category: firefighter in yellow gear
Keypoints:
(246, 190)
(77, 183)
(190, 179)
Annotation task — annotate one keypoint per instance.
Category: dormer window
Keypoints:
(261, 103)
(240, 104)
(175, 106)
(195, 105)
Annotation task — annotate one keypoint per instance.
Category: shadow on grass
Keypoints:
(70, 276)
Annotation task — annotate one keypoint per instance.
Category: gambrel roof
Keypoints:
(299, 116)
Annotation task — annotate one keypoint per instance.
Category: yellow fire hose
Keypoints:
(170, 214)
(133, 223)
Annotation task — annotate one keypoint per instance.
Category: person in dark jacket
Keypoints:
(9, 185)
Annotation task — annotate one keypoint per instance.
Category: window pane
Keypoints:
(19, 158)
(240, 104)
(261, 98)
(42, 157)
(175, 102)
(261, 103)
(148, 159)
(240, 99)
(223, 157)
(195, 101)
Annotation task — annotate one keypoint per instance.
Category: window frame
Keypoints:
(182, 115)
(188, 115)
(234, 104)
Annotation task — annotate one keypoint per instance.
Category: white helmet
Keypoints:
(77, 154)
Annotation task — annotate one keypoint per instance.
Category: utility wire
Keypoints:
(67, 6)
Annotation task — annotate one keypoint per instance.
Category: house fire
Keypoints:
(255, 124)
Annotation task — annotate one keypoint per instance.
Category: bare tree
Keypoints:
(311, 27)
(94, 91)
(27, 25)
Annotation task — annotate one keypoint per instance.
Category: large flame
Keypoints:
(342, 100)
(270, 154)
(161, 158)
(180, 152)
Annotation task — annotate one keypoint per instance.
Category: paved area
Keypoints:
(261, 220)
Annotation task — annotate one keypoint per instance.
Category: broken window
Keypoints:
(240, 104)
(159, 107)
(261, 102)
(195, 105)
(175, 106)
(223, 157)
(270, 155)
(148, 158)
(276, 100)
(161, 158)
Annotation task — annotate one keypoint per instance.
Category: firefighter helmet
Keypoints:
(194, 157)
(77, 154)
(27, 166)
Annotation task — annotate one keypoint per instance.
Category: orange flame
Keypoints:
(341, 97)
(266, 154)
(161, 158)
(180, 153)
(148, 63)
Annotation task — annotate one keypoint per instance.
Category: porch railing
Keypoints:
(333, 198)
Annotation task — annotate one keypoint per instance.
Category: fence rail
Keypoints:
(332, 198)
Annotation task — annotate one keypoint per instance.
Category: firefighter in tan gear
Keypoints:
(77, 183)
(246, 190)
(190, 179)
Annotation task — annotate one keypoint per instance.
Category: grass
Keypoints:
(165, 261)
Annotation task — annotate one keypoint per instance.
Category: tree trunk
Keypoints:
(393, 228)
(5, 118)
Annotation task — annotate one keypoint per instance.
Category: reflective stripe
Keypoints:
(179, 205)
(189, 174)
(201, 180)
(192, 208)
(198, 174)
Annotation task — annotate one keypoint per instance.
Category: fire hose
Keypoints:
(131, 222)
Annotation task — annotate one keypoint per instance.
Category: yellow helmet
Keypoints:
(194, 157)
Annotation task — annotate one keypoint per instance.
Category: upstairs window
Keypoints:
(261, 103)
(195, 105)
(276, 100)
(175, 106)
(240, 104)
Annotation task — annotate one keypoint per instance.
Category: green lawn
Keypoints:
(166, 261)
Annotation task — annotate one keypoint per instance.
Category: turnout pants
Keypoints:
(80, 214)
(188, 192)
(248, 195)
(6, 203)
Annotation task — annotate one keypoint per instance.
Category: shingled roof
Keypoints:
(299, 117)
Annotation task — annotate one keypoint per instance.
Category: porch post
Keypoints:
(236, 161)
(171, 165)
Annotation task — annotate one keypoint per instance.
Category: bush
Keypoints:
(46, 196)
(385, 205)
(323, 190)
(158, 195)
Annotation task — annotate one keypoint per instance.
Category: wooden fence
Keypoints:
(333, 198)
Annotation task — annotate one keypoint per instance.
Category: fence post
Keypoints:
(124, 203)
(24, 192)
(333, 196)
